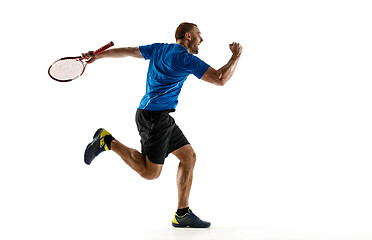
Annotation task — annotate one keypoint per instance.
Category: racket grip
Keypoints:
(103, 48)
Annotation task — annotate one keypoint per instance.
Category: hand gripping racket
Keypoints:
(69, 68)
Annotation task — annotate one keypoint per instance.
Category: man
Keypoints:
(169, 67)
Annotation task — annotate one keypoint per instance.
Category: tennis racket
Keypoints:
(69, 68)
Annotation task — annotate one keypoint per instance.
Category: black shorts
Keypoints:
(159, 133)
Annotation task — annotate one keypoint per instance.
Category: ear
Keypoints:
(188, 36)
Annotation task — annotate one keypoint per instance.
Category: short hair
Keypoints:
(183, 28)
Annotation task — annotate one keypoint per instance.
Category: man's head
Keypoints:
(188, 35)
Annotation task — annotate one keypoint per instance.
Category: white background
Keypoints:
(284, 149)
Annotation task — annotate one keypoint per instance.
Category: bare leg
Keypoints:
(135, 160)
(187, 158)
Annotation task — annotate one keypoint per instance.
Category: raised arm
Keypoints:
(114, 53)
(221, 76)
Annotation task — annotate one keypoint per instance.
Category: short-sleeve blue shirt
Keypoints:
(169, 67)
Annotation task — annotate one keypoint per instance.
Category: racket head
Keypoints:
(66, 69)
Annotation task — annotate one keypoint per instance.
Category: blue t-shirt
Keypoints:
(169, 67)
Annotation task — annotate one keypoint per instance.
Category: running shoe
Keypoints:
(189, 220)
(97, 146)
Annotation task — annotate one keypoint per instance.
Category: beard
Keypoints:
(194, 48)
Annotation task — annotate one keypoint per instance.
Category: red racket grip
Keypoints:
(103, 48)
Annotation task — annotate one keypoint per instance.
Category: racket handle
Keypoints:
(103, 48)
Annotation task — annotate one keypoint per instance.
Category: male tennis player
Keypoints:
(169, 67)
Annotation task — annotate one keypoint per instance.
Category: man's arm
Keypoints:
(221, 76)
(114, 53)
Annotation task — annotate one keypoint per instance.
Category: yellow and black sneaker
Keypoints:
(98, 145)
(189, 220)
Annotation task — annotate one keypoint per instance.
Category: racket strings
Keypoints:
(66, 69)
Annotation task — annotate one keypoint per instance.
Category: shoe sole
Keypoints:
(89, 155)
(189, 226)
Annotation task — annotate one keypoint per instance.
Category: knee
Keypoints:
(191, 158)
(150, 175)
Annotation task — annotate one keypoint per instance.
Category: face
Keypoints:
(195, 40)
